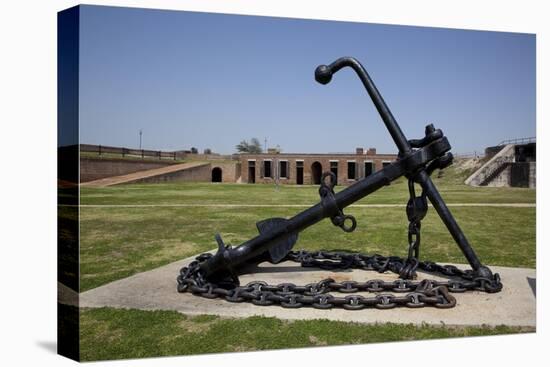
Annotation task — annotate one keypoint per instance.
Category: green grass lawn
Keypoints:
(112, 334)
(120, 241)
(206, 193)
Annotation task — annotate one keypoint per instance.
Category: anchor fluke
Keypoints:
(284, 244)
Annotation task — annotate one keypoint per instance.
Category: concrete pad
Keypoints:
(515, 305)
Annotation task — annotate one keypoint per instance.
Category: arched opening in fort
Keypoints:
(216, 174)
(316, 172)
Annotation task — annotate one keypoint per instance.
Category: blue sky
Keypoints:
(212, 80)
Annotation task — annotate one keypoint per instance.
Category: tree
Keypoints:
(253, 147)
(194, 150)
(242, 147)
(208, 151)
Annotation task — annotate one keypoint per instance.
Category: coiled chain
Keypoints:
(416, 294)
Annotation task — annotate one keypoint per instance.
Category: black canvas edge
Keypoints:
(68, 325)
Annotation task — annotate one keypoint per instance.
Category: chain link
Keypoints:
(413, 294)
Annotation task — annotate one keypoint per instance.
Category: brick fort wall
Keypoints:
(253, 167)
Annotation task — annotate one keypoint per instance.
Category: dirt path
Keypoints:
(116, 180)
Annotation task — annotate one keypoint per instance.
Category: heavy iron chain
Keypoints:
(418, 293)
(417, 207)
